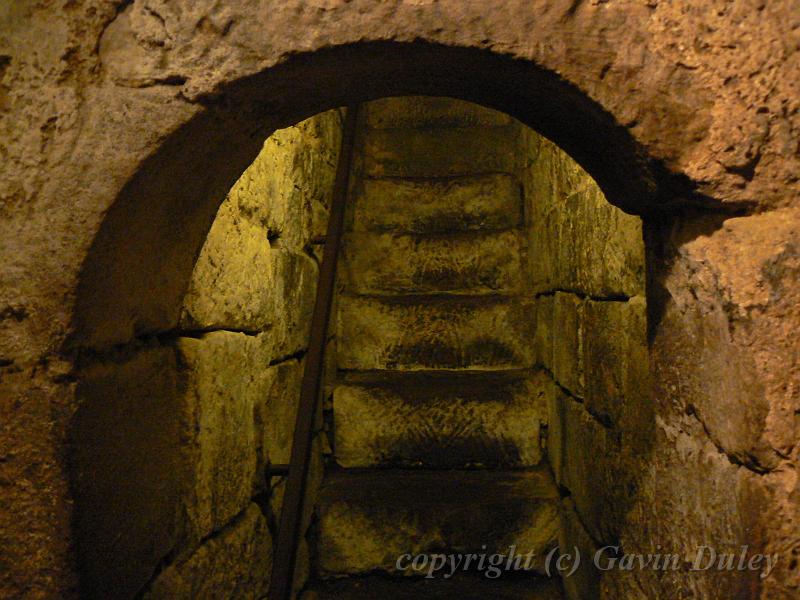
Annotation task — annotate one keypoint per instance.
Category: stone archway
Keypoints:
(664, 137)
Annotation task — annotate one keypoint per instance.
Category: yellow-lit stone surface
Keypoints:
(578, 241)
(234, 564)
(221, 386)
(381, 263)
(440, 420)
(477, 202)
(251, 294)
(435, 332)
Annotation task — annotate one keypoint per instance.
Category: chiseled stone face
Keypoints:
(578, 241)
(467, 263)
(435, 333)
(220, 372)
(414, 153)
(478, 202)
(369, 519)
(441, 420)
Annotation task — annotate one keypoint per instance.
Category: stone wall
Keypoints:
(175, 433)
(130, 120)
(587, 272)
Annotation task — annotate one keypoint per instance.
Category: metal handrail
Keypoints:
(290, 524)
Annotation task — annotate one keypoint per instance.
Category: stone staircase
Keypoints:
(437, 406)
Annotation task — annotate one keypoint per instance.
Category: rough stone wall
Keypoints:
(587, 272)
(693, 104)
(175, 435)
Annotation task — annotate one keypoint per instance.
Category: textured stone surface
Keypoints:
(615, 361)
(251, 287)
(686, 475)
(587, 460)
(413, 153)
(460, 586)
(97, 128)
(287, 189)
(276, 409)
(221, 370)
(369, 519)
(439, 420)
(466, 262)
(577, 544)
(235, 563)
(486, 202)
(578, 241)
(569, 333)
(435, 332)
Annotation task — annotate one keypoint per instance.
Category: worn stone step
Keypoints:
(440, 419)
(482, 202)
(413, 153)
(370, 519)
(476, 262)
(462, 587)
(435, 332)
(423, 112)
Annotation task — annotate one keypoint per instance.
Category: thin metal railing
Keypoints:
(290, 524)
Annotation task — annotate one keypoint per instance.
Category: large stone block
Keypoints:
(481, 202)
(367, 520)
(587, 459)
(711, 502)
(415, 153)
(287, 189)
(220, 429)
(423, 112)
(435, 332)
(236, 563)
(276, 409)
(130, 469)
(568, 338)
(240, 283)
(465, 262)
(440, 420)
(579, 241)
(615, 359)
(230, 282)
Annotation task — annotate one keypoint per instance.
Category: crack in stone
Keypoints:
(753, 465)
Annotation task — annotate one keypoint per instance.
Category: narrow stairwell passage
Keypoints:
(438, 410)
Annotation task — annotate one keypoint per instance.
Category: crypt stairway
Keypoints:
(437, 417)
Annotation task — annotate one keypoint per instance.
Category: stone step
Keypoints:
(424, 112)
(435, 332)
(462, 587)
(372, 520)
(415, 153)
(483, 202)
(474, 262)
(439, 419)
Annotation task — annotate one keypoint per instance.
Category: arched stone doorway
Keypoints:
(659, 124)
